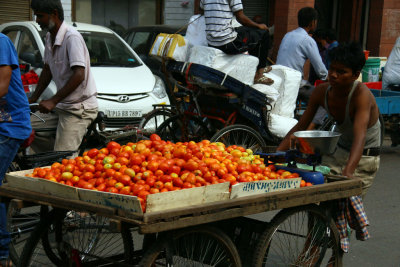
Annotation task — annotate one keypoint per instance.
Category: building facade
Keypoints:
(374, 23)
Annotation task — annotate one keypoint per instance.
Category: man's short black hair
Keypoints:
(306, 15)
(48, 6)
(349, 54)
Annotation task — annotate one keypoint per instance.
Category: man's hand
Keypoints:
(47, 106)
(263, 27)
(347, 173)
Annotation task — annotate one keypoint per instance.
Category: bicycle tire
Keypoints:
(191, 246)
(152, 120)
(20, 223)
(70, 228)
(241, 135)
(292, 226)
(183, 128)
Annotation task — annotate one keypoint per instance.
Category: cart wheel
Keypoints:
(197, 246)
(299, 236)
(183, 128)
(77, 238)
(21, 220)
(152, 120)
(241, 135)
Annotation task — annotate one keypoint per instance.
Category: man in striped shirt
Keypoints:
(252, 37)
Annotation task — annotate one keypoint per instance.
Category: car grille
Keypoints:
(121, 122)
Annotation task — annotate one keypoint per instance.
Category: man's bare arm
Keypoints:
(360, 125)
(44, 81)
(5, 78)
(76, 79)
(245, 21)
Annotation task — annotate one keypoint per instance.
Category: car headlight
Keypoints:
(159, 88)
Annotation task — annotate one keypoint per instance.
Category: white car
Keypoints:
(126, 87)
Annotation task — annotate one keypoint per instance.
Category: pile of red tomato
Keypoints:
(154, 166)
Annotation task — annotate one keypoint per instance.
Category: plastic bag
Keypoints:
(196, 31)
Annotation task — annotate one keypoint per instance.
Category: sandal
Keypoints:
(264, 80)
(267, 69)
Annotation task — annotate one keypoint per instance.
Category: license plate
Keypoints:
(117, 113)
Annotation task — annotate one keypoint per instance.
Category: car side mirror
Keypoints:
(31, 58)
(28, 57)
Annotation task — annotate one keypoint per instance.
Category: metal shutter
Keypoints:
(252, 8)
(14, 10)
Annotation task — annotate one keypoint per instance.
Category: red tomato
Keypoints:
(123, 160)
(126, 190)
(143, 194)
(159, 184)
(92, 153)
(153, 166)
(111, 145)
(154, 190)
(136, 159)
(101, 187)
(125, 179)
(155, 137)
(174, 169)
(150, 181)
(177, 182)
(112, 190)
(166, 178)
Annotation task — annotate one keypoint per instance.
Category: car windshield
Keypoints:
(106, 49)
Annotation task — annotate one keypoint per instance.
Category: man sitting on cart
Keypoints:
(252, 37)
(352, 105)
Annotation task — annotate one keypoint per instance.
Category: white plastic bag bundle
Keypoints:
(170, 46)
(279, 125)
(288, 90)
(196, 31)
(241, 67)
(271, 93)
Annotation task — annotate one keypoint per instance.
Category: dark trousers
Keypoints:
(255, 41)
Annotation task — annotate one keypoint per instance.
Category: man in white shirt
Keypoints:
(67, 63)
(297, 46)
(252, 37)
(391, 73)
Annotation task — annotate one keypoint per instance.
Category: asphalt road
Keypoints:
(382, 205)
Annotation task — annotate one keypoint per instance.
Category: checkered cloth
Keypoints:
(350, 212)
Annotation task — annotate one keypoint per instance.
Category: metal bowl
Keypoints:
(317, 142)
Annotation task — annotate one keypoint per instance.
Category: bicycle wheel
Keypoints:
(152, 120)
(20, 223)
(240, 135)
(78, 238)
(299, 236)
(197, 246)
(182, 128)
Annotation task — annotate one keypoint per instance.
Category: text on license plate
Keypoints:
(123, 113)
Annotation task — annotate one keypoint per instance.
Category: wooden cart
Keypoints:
(219, 224)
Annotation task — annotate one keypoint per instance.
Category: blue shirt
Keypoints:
(14, 106)
(296, 47)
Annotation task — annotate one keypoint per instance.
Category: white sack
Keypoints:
(288, 90)
(196, 31)
(279, 125)
(268, 90)
(241, 67)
